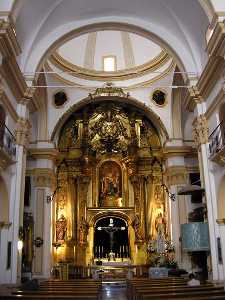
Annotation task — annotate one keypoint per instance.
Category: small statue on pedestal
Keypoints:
(137, 228)
(84, 227)
(61, 228)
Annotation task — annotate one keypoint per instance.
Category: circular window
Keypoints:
(60, 98)
(159, 97)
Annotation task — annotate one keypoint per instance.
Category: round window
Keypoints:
(159, 97)
(60, 98)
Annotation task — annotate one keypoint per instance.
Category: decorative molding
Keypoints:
(176, 175)
(5, 159)
(43, 177)
(43, 153)
(192, 97)
(220, 221)
(9, 45)
(200, 130)
(5, 225)
(211, 73)
(107, 91)
(170, 151)
(8, 105)
(22, 132)
(219, 157)
(13, 76)
(138, 71)
(143, 84)
(216, 44)
(216, 102)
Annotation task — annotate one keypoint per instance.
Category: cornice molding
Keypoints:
(143, 84)
(8, 105)
(216, 102)
(138, 71)
(216, 44)
(9, 45)
(14, 78)
(210, 75)
(43, 153)
(171, 151)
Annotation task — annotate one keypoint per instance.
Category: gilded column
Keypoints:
(83, 226)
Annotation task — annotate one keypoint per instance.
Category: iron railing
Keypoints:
(7, 140)
(217, 139)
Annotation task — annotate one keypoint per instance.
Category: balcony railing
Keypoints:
(7, 141)
(217, 142)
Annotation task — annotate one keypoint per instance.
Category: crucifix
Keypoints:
(110, 229)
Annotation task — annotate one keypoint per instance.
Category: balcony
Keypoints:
(7, 147)
(217, 144)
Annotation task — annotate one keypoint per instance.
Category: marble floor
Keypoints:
(114, 291)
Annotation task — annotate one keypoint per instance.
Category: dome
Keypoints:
(111, 53)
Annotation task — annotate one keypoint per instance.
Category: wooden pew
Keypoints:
(59, 290)
(171, 289)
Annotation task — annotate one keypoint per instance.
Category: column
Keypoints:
(177, 176)
(200, 133)
(83, 226)
(43, 185)
(22, 138)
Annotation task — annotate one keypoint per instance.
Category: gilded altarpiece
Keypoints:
(105, 168)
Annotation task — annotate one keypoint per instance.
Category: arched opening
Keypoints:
(111, 147)
(2, 125)
(111, 241)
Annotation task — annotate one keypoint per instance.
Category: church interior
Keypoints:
(112, 148)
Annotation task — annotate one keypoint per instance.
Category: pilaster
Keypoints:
(44, 180)
(200, 134)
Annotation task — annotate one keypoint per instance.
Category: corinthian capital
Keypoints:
(200, 130)
(22, 132)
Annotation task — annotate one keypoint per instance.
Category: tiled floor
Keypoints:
(114, 291)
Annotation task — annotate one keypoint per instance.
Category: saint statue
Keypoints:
(160, 225)
(61, 228)
(84, 227)
(137, 228)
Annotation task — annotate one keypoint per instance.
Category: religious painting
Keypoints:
(110, 185)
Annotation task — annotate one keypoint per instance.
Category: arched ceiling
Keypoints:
(129, 50)
(134, 55)
(179, 25)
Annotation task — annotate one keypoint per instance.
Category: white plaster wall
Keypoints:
(143, 95)
(187, 126)
(9, 93)
(216, 89)
(34, 130)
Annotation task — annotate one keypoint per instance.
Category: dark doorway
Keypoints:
(116, 241)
